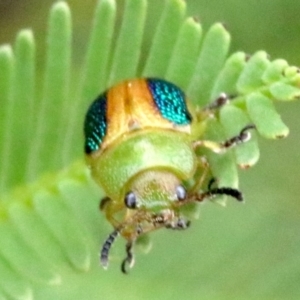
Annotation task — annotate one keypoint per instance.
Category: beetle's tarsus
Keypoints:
(218, 103)
(242, 137)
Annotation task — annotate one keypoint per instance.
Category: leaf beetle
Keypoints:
(141, 137)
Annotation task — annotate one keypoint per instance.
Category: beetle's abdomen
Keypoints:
(135, 105)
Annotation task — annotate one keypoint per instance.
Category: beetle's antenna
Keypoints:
(106, 247)
(129, 259)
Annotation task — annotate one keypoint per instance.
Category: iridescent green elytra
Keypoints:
(140, 141)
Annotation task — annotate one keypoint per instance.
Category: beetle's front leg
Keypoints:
(210, 110)
(242, 137)
(222, 100)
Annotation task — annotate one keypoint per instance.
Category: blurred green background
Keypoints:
(249, 251)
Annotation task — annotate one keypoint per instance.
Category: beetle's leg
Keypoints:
(129, 259)
(209, 111)
(242, 137)
(104, 254)
(217, 103)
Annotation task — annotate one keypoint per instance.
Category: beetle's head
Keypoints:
(152, 200)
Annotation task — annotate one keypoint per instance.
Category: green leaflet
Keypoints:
(127, 49)
(187, 46)
(210, 62)
(55, 94)
(95, 70)
(164, 39)
(251, 76)
(263, 114)
(51, 230)
(6, 84)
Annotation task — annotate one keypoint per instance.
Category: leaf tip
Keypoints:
(6, 50)
(220, 27)
(25, 34)
(60, 8)
(60, 5)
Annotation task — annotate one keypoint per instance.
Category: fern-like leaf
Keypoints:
(50, 228)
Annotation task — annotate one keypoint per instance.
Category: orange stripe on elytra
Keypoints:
(130, 106)
(117, 114)
(144, 112)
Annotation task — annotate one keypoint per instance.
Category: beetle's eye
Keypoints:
(130, 200)
(180, 193)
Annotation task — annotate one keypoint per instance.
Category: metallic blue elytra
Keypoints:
(95, 125)
(170, 101)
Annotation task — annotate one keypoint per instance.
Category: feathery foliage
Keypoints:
(49, 224)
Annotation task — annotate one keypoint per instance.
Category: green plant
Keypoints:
(50, 227)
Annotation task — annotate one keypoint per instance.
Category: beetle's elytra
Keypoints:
(140, 141)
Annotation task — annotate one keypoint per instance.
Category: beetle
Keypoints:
(141, 141)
